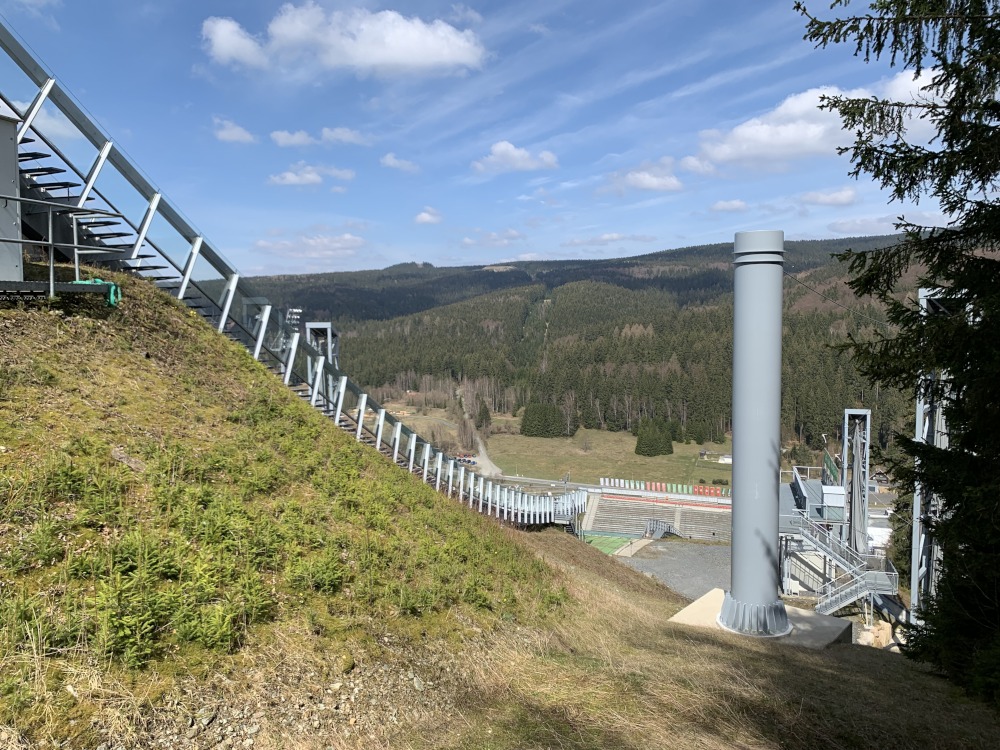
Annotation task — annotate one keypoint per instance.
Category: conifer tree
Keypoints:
(951, 45)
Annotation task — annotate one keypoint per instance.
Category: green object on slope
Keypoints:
(114, 294)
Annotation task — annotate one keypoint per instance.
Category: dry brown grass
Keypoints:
(614, 673)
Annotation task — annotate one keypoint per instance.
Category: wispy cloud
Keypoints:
(285, 138)
(49, 120)
(393, 162)
(609, 238)
(464, 15)
(302, 173)
(313, 246)
(731, 206)
(843, 197)
(503, 238)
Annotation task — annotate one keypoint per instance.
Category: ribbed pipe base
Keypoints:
(766, 620)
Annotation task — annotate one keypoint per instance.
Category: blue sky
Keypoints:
(319, 135)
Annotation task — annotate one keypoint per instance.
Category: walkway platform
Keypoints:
(809, 629)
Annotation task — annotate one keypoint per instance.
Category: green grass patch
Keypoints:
(592, 454)
(163, 497)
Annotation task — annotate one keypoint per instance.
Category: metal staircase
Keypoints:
(74, 213)
(859, 575)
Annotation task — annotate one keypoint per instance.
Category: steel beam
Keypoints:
(147, 220)
(95, 171)
(293, 347)
(227, 300)
(35, 107)
(362, 404)
(189, 266)
(265, 315)
(397, 432)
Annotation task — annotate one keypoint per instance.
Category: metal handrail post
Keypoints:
(52, 258)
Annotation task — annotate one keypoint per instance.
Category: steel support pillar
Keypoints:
(753, 605)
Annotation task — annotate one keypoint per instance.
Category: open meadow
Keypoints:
(592, 454)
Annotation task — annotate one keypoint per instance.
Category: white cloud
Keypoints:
(229, 132)
(504, 156)
(843, 197)
(229, 44)
(797, 128)
(303, 40)
(732, 206)
(301, 173)
(428, 216)
(393, 162)
(314, 246)
(658, 176)
(494, 239)
(286, 138)
(344, 135)
(608, 239)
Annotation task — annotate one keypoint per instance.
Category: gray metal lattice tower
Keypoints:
(931, 428)
(753, 605)
(855, 476)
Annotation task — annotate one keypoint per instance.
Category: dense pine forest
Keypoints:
(610, 343)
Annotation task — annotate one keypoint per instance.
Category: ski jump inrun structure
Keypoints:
(100, 208)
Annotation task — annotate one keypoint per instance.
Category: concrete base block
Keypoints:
(809, 629)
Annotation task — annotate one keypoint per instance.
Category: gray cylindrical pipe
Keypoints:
(753, 605)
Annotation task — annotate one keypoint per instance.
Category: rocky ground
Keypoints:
(329, 700)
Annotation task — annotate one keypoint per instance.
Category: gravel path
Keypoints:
(689, 568)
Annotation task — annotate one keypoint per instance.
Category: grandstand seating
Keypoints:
(625, 516)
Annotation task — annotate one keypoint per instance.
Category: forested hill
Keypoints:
(610, 342)
(692, 275)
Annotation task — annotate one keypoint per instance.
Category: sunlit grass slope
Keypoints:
(187, 549)
(165, 499)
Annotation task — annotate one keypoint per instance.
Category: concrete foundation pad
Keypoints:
(809, 629)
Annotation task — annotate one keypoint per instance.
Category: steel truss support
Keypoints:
(856, 454)
(261, 331)
(397, 433)
(189, 266)
(362, 404)
(930, 428)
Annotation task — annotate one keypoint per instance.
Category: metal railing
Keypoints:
(862, 574)
(52, 210)
(209, 283)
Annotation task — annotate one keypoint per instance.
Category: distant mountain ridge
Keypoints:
(695, 275)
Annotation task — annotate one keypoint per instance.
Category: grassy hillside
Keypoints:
(165, 500)
(190, 557)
